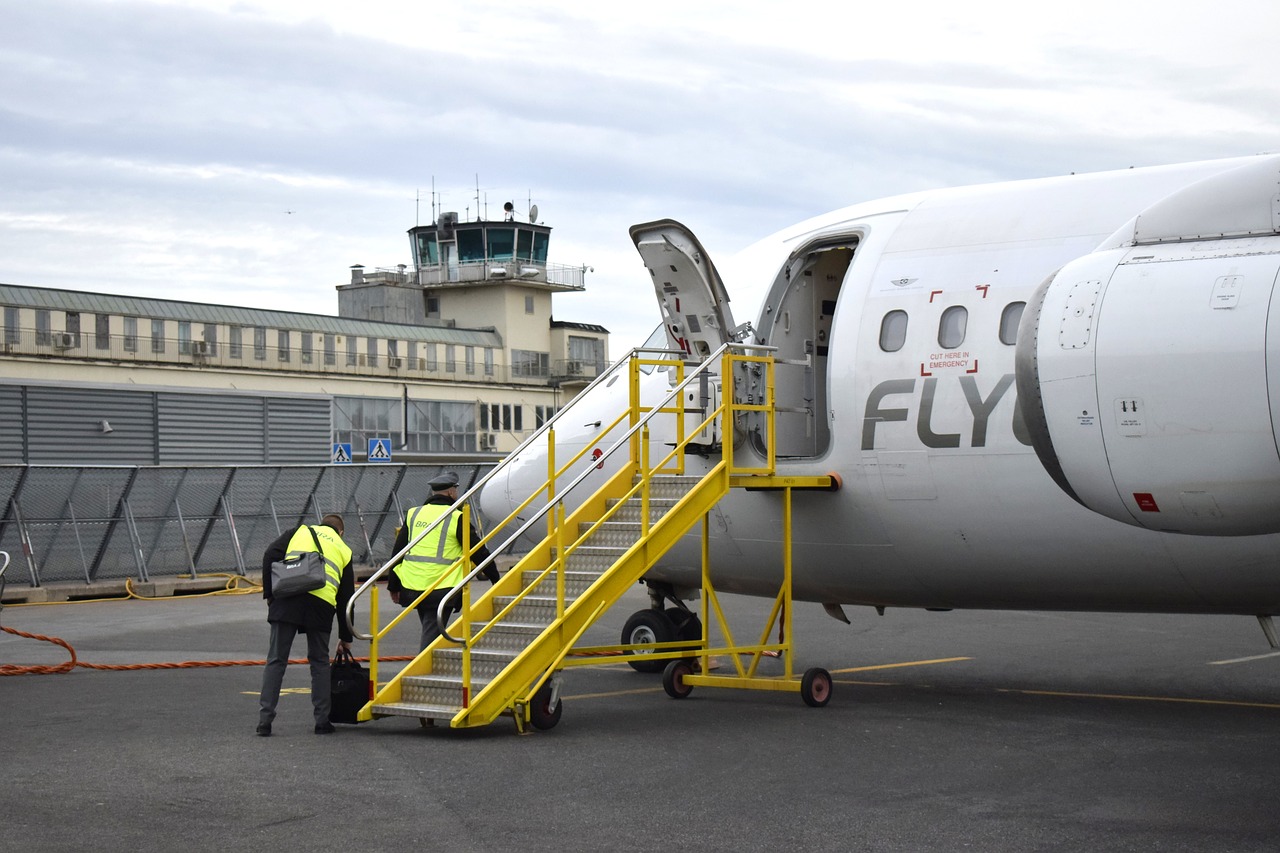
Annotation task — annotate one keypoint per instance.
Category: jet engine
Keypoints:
(1148, 372)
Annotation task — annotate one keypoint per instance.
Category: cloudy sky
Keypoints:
(250, 151)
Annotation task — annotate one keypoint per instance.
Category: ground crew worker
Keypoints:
(426, 566)
(308, 612)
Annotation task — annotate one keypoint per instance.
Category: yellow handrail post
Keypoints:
(644, 479)
(786, 581)
(373, 644)
(551, 474)
(704, 657)
(559, 522)
(466, 608)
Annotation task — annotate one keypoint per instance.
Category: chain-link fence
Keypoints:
(92, 523)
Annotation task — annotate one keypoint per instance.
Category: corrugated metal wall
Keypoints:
(103, 426)
(218, 429)
(12, 420)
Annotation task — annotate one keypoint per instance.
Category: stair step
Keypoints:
(413, 709)
(485, 663)
(575, 583)
(441, 690)
(532, 609)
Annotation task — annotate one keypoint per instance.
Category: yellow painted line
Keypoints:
(897, 665)
(636, 692)
(1126, 698)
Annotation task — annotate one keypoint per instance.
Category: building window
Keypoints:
(282, 344)
(260, 343)
(184, 337)
(102, 331)
(44, 332)
(951, 327)
(130, 334)
(157, 335)
(431, 426)
(306, 347)
(73, 327)
(469, 359)
(1009, 321)
(450, 358)
(330, 350)
(210, 337)
(586, 356)
(235, 341)
(433, 307)
(372, 348)
(893, 331)
(502, 243)
(351, 350)
(413, 354)
(11, 333)
(528, 305)
(488, 361)
(542, 414)
(393, 348)
(430, 351)
(529, 363)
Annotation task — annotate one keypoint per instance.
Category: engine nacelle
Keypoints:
(1149, 371)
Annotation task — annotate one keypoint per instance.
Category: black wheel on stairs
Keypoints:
(815, 687)
(648, 626)
(673, 678)
(541, 717)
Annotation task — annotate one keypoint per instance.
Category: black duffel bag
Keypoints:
(349, 688)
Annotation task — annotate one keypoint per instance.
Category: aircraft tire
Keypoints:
(815, 687)
(648, 626)
(673, 678)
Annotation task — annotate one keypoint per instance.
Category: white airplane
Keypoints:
(1056, 394)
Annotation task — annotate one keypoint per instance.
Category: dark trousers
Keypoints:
(282, 634)
(427, 613)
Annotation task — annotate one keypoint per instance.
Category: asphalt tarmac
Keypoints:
(986, 731)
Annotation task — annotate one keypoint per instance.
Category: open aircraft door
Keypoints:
(691, 296)
(694, 306)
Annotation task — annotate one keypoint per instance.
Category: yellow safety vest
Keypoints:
(426, 566)
(335, 552)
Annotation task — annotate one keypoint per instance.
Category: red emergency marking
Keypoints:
(983, 288)
(677, 304)
(933, 293)
(924, 372)
(1146, 501)
(596, 454)
(973, 369)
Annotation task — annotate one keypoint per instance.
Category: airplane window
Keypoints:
(893, 331)
(1009, 321)
(952, 327)
(656, 341)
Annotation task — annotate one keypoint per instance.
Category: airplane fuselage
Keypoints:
(924, 318)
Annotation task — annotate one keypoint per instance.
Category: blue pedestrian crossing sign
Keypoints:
(341, 454)
(379, 450)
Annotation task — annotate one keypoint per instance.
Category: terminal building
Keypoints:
(456, 356)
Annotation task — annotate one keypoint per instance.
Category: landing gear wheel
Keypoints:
(644, 627)
(673, 678)
(815, 687)
(687, 625)
(541, 717)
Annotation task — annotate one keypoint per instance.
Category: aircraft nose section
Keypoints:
(494, 500)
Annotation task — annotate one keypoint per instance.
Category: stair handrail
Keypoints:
(349, 614)
(624, 439)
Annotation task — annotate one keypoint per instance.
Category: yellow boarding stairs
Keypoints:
(503, 653)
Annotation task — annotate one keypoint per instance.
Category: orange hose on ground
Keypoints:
(68, 666)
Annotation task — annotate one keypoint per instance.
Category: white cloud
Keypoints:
(157, 147)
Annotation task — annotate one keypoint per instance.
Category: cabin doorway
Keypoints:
(797, 320)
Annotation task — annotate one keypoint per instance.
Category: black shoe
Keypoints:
(264, 730)
(326, 729)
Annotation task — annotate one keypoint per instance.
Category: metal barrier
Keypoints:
(91, 523)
